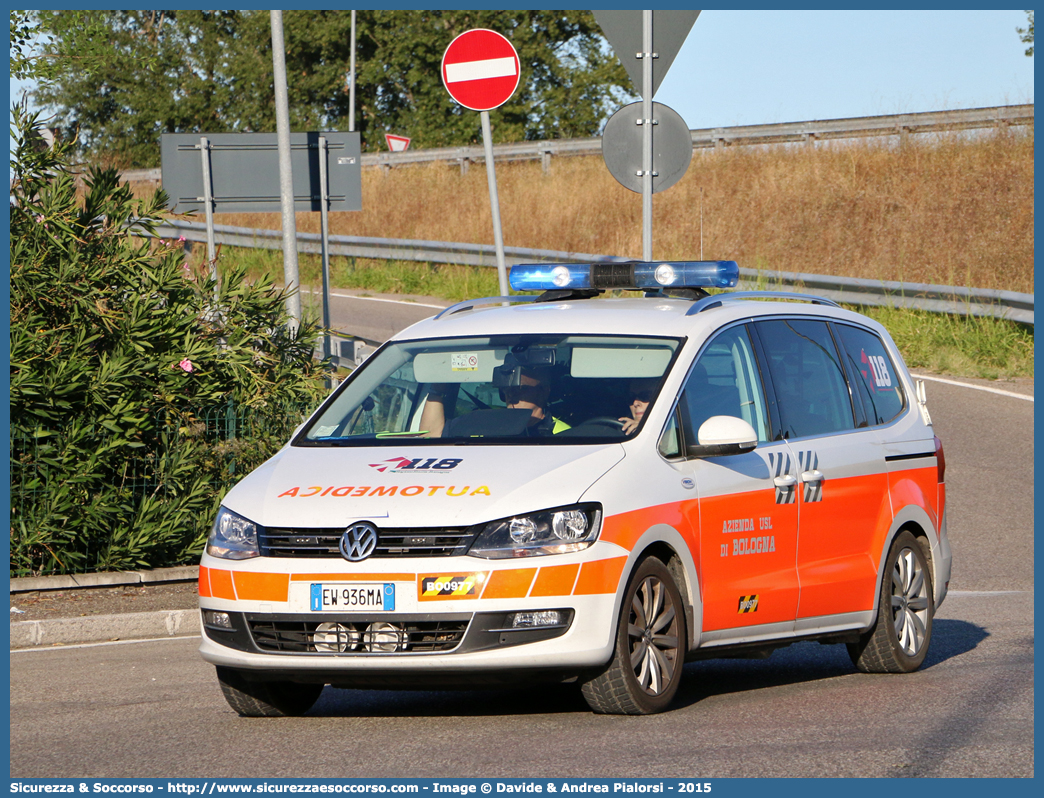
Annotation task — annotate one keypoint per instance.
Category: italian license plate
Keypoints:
(374, 597)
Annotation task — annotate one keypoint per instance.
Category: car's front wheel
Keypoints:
(646, 668)
(266, 699)
(898, 641)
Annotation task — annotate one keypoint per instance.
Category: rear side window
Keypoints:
(807, 377)
(873, 373)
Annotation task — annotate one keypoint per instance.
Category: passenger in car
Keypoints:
(531, 394)
(642, 393)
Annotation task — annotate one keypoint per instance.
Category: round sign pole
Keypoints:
(480, 70)
(647, 135)
(494, 202)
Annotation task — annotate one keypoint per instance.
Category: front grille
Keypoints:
(347, 635)
(396, 542)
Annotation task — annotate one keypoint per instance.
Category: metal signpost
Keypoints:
(240, 174)
(633, 32)
(286, 180)
(480, 70)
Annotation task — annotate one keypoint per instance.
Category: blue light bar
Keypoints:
(634, 275)
(550, 276)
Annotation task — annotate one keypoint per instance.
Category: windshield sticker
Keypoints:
(464, 361)
(440, 587)
(385, 490)
(415, 465)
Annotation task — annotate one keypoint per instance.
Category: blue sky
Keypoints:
(759, 67)
(756, 67)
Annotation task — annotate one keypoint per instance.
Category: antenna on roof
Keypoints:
(701, 222)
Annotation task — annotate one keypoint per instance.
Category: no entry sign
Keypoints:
(480, 69)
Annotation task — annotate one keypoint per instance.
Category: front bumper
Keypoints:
(452, 617)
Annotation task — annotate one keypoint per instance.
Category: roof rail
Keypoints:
(468, 304)
(717, 299)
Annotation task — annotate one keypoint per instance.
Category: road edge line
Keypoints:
(986, 388)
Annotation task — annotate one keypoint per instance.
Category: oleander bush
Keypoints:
(140, 386)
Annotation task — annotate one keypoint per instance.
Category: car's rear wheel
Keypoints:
(646, 668)
(266, 699)
(898, 641)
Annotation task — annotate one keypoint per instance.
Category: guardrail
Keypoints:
(901, 125)
(956, 300)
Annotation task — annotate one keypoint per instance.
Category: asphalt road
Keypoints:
(154, 709)
(373, 317)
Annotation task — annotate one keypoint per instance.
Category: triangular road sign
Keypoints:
(623, 29)
(396, 143)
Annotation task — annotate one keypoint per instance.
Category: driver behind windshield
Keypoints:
(531, 394)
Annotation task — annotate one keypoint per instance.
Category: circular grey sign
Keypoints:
(622, 147)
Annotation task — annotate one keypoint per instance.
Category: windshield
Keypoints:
(509, 389)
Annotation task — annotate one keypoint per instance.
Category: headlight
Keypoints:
(232, 537)
(558, 531)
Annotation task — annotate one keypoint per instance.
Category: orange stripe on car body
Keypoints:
(555, 580)
(917, 486)
(253, 586)
(601, 576)
(221, 584)
(624, 529)
(749, 546)
(839, 539)
(513, 583)
(942, 507)
(204, 581)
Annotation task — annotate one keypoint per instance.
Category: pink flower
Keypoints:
(39, 218)
(186, 365)
(181, 239)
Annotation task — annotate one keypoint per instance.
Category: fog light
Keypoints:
(530, 620)
(335, 638)
(221, 619)
(386, 637)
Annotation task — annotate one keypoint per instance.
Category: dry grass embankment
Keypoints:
(954, 210)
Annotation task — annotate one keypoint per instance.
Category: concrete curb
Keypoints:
(183, 573)
(104, 628)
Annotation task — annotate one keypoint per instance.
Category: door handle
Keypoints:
(785, 481)
(815, 475)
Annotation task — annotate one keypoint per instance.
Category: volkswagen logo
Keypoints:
(358, 541)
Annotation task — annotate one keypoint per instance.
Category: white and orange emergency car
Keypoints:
(573, 488)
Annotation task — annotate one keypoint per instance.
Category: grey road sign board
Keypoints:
(244, 169)
(623, 29)
(622, 147)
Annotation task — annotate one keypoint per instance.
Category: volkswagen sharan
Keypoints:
(566, 487)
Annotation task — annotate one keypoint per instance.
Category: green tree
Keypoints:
(83, 46)
(211, 71)
(116, 345)
(1026, 34)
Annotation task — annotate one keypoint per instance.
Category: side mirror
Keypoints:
(724, 435)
